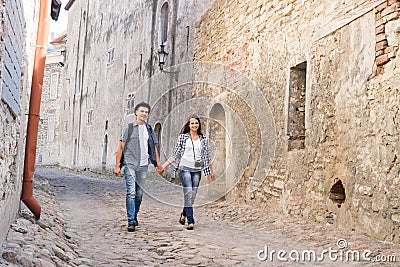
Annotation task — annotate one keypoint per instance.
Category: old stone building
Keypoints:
(48, 145)
(300, 98)
(17, 28)
(330, 73)
(111, 52)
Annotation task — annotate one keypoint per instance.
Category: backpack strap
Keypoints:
(130, 130)
(151, 144)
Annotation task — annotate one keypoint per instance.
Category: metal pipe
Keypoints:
(34, 108)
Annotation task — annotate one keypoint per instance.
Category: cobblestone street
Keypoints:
(92, 231)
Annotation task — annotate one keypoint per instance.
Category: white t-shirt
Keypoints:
(144, 149)
(187, 159)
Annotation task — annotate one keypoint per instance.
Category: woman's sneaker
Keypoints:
(131, 227)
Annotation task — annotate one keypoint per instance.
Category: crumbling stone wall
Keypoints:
(351, 116)
(11, 107)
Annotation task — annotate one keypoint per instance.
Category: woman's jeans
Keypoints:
(190, 181)
(134, 190)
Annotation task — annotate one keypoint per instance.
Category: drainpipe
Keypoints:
(34, 108)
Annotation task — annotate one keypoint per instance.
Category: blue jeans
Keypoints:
(190, 182)
(134, 190)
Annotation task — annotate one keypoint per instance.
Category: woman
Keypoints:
(192, 156)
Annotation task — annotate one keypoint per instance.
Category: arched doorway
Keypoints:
(217, 135)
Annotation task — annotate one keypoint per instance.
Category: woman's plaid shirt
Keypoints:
(180, 149)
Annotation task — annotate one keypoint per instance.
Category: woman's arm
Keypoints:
(212, 175)
(177, 151)
(167, 162)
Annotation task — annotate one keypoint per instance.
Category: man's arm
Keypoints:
(159, 167)
(118, 155)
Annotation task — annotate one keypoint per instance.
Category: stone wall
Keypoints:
(111, 54)
(11, 121)
(350, 58)
(48, 145)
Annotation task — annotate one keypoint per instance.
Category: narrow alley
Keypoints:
(92, 222)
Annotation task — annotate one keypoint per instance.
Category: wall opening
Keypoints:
(337, 193)
(164, 23)
(217, 134)
(297, 102)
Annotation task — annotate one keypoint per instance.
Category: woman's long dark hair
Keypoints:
(186, 128)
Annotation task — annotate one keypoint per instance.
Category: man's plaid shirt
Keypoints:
(180, 149)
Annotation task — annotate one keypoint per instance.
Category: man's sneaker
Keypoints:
(131, 227)
(136, 222)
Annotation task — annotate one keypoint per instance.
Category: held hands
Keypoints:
(159, 169)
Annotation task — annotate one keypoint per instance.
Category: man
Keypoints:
(141, 147)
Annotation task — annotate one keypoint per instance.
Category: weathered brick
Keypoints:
(382, 60)
(380, 29)
(389, 10)
(391, 16)
(381, 6)
(381, 45)
(379, 52)
(380, 37)
(389, 49)
(378, 15)
(380, 21)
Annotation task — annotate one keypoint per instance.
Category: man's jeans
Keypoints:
(134, 190)
(190, 181)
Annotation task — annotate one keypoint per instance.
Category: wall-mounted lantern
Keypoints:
(162, 56)
(55, 9)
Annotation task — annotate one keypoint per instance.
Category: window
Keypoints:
(110, 55)
(296, 112)
(51, 121)
(164, 23)
(89, 117)
(53, 85)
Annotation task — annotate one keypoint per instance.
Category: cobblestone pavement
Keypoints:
(84, 224)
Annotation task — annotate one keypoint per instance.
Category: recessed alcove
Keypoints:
(337, 193)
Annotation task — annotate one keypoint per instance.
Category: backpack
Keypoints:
(130, 130)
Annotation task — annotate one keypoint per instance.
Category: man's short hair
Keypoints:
(142, 104)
